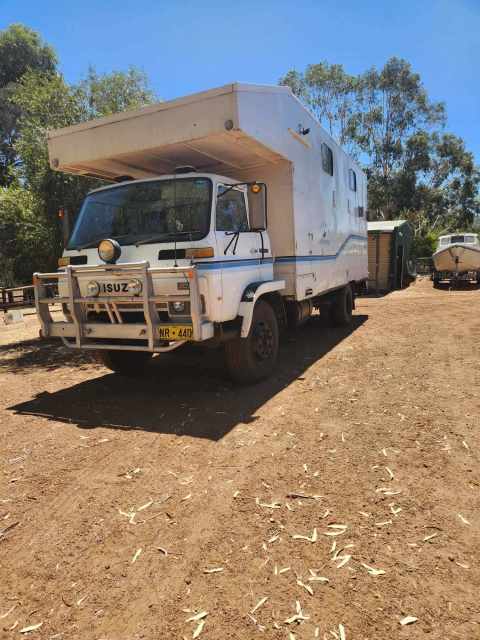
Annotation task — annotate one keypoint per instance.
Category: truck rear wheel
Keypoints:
(253, 358)
(342, 307)
(125, 363)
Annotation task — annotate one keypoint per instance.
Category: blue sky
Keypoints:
(186, 46)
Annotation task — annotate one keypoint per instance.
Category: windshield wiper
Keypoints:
(94, 243)
(159, 236)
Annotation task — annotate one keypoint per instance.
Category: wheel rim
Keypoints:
(263, 341)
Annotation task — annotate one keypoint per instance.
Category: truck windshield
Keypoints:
(156, 211)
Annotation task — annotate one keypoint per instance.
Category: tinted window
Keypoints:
(352, 179)
(166, 209)
(327, 159)
(231, 210)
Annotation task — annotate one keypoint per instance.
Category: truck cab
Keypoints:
(181, 246)
(153, 263)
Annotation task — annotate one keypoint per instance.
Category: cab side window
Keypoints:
(231, 210)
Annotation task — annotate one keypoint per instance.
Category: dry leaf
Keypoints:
(199, 629)
(343, 561)
(259, 604)
(197, 616)
(312, 538)
(32, 627)
(305, 586)
(136, 556)
(338, 529)
(273, 505)
(4, 615)
(372, 571)
(432, 535)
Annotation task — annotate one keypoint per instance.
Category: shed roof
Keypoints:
(385, 225)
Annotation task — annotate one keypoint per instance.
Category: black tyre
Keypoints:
(342, 307)
(253, 358)
(125, 363)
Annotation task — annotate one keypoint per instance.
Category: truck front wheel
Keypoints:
(253, 358)
(342, 307)
(126, 363)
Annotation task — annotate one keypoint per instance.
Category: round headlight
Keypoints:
(178, 307)
(109, 251)
(93, 288)
(134, 287)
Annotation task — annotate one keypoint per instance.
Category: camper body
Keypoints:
(268, 223)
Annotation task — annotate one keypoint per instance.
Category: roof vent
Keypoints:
(185, 169)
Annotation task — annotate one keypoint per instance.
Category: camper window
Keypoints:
(231, 210)
(352, 179)
(327, 159)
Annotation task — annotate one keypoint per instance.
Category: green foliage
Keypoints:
(330, 94)
(26, 244)
(47, 102)
(102, 95)
(21, 50)
(424, 246)
(385, 118)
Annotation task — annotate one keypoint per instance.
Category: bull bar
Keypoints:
(79, 333)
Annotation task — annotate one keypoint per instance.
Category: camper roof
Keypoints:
(227, 130)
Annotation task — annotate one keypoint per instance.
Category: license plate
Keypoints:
(176, 332)
(117, 288)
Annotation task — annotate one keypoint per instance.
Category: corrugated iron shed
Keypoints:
(389, 243)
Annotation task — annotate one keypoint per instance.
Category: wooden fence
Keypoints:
(16, 297)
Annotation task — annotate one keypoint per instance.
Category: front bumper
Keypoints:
(117, 332)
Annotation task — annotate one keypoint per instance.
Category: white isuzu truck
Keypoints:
(231, 216)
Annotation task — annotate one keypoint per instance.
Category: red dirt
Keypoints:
(208, 469)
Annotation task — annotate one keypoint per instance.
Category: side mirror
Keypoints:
(257, 206)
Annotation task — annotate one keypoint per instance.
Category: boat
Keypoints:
(457, 258)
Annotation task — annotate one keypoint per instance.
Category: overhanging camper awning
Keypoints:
(216, 131)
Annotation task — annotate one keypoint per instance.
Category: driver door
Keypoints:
(238, 247)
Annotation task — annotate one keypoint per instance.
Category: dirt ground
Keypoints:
(331, 501)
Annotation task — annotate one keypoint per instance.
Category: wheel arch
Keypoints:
(268, 291)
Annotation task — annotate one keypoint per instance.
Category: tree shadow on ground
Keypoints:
(185, 392)
(47, 355)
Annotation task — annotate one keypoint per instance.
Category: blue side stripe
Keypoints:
(248, 262)
(232, 264)
(317, 258)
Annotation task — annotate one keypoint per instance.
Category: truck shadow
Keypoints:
(186, 393)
